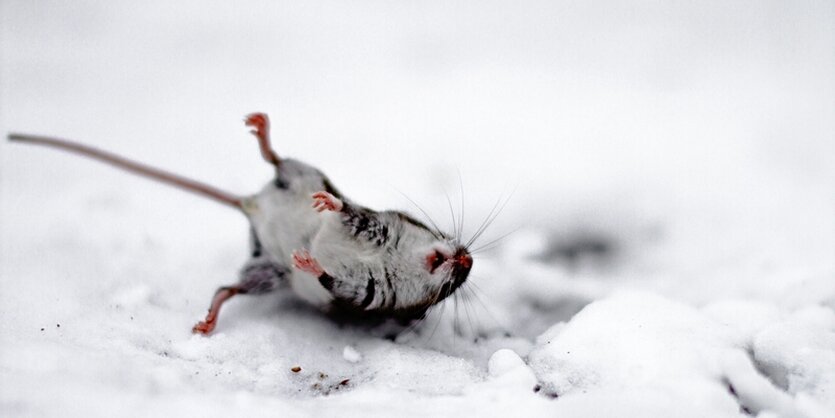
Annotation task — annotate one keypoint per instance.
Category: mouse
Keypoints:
(337, 255)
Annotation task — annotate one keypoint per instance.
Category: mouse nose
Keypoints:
(463, 258)
(462, 262)
(465, 261)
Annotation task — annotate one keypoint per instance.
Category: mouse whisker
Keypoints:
(456, 328)
(474, 290)
(483, 223)
(440, 316)
(466, 302)
(452, 215)
(489, 221)
(413, 326)
(472, 287)
(431, 309)
(493, 243)
(422, 211)
(494, 213)
(461, 188)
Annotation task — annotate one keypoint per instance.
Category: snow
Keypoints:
(670, 172)
(667, 350)
(351, 355)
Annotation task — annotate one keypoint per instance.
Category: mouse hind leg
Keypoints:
(260, 275)
(260, 124)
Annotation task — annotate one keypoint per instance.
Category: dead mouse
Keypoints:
(333, 252)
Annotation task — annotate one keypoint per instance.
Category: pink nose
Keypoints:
(465, 260)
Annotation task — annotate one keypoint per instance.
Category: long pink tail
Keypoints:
(134, 167)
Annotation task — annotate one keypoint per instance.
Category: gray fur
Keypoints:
(262, 275)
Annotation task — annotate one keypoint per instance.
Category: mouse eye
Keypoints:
(434, 260)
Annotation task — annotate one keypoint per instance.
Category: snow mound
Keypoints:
(648, 351)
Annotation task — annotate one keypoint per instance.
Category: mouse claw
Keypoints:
(325, 201)
(303, 261)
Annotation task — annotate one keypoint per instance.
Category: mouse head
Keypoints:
(429, 266)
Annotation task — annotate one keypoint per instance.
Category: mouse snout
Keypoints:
(464, 259)
(462, 263)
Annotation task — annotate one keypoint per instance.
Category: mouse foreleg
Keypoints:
(356, 293)
(359, 222)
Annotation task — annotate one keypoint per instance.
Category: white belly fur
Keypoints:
(284, 222)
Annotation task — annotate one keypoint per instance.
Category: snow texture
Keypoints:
(669, 168)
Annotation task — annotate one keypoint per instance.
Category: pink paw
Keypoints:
(260, 124)
(325, 201)
(203, 327)
(303, 261)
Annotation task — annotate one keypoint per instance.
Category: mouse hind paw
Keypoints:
(204, 327)
(260, 124)
(222, 295)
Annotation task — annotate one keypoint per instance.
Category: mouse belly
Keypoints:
(284, 221)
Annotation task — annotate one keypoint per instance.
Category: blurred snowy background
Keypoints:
(671, 163)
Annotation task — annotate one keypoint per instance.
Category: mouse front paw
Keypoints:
(305, 262)
(323, 201)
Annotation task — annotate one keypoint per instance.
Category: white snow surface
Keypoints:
(670, 170)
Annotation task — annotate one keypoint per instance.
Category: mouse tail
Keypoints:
(134, 167)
